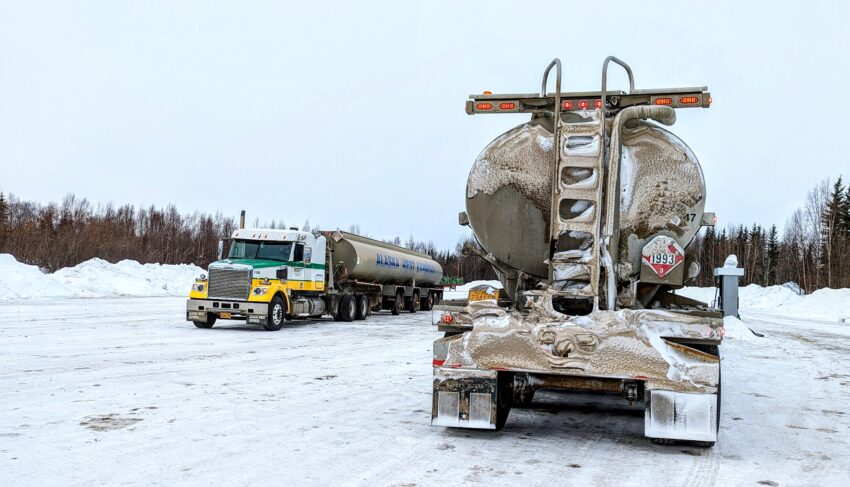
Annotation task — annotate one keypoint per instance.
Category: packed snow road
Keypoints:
(115, 391)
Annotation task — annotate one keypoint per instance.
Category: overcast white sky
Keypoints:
(352, 112)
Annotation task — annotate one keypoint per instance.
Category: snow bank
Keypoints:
(22, 281)
(461, 292)
(736, 329)
(94, 278)
(823, 304)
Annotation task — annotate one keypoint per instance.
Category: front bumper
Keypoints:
(252, 312)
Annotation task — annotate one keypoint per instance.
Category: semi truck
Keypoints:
(584, 212)
(273, 275)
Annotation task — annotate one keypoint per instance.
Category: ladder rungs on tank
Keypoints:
(577, 198)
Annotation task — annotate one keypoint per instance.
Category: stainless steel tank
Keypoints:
(509, 192)
(365, 259)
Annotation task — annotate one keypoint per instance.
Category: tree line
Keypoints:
(812, 250)
(53, 236)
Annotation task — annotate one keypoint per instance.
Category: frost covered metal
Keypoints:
(584, 212)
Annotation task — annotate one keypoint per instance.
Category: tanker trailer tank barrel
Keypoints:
(378, 262)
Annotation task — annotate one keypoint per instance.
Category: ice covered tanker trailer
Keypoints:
(584, 212)
(273, 275)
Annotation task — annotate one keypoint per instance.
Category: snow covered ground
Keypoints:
(94, 278)
(121, 390)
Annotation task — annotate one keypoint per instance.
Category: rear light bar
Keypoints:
(534, 103)
(496, 107)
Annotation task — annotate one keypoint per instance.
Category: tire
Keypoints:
(429, 302)
(396, 309)
(504, 397)
(336, 311)
(206, 324)
(277, 314)
(347, 308)
(362, 310)
(414, 303)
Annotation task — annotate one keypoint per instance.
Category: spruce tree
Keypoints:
(832, 222)
(3, 220)
(772, 255)
(845, 212)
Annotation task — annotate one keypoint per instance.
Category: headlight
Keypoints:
(259, 291)
(198, 287)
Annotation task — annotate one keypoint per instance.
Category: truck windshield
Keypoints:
(253, 249)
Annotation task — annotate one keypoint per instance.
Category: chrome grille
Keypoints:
(228, 283)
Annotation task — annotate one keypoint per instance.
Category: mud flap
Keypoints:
(681, 416)
(465, 398)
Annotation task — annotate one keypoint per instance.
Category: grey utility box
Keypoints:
(727, 279)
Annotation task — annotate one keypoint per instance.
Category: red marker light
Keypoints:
(567, 105)
(583, 104)
(714, 220)
(663, 101)
(483, 106)
(598, 103)
(689, 100)
(507, 106)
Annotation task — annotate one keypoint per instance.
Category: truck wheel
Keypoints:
(396, 309)
(429, 302)
(414, 303)
(347, 308)
(362, 307)
(277, 314)
(504, 397)
(206, 324)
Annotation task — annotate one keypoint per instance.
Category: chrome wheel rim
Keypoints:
(277, 314)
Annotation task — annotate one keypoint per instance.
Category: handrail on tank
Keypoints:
(625, 66)
(556, 121)
(555, 62)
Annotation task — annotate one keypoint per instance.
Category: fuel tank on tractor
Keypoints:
(508, 193)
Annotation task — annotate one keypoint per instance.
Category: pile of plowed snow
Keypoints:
(94, 278)
(823, 304)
